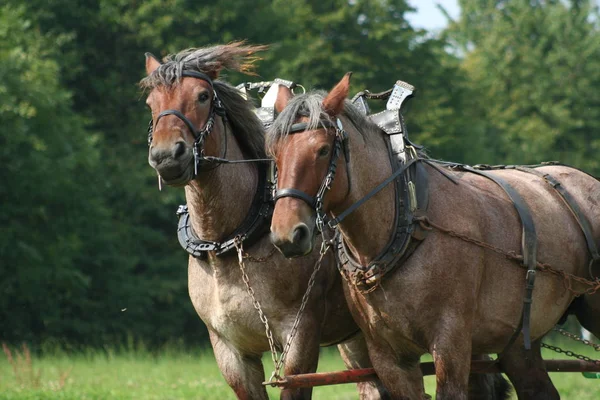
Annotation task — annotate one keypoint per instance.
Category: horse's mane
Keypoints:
(247, 128)
(310, 105)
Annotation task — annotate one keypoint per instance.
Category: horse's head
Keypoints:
(306, 141)
(188, 112)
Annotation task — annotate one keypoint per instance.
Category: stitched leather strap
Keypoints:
(334, 222)
(251, 229)
(529, 247)
(298, 194)
(581, 219)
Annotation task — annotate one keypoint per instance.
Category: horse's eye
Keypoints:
(324, 151)
(202, 97)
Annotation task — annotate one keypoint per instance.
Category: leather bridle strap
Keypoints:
(298, 194)
(334, 222)
(529, 249)
(216, 108)
(182, 117)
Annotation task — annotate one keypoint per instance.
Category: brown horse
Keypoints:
(195, 117)
(450, 297)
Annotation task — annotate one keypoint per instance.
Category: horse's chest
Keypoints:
(227, 310)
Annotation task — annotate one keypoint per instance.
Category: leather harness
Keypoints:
(408, 169)
(254, 226)
(257, 221)
(529, 237)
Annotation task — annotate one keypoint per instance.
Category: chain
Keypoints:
(259, 259)
(279, 361)
(325, 245)
(592, 286)
(240, 252)
(569, 353)
(577, 338)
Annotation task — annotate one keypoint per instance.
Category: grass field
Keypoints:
(138, 374)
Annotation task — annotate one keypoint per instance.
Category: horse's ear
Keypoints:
(151, 63)
(333, 104)
(284, 95)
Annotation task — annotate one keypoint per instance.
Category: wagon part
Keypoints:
(368, 374)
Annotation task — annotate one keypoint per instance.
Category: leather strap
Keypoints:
(182, 117)
(529, 248)
(295, 193)
(334, 222)
(254, 226)
(581, 219)
(197, 74)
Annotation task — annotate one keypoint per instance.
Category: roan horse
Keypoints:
(447, 293)
(220, 197)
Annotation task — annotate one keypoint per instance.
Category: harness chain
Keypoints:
(569, 353)
(593, 286)
(577, 338)
(278, 361)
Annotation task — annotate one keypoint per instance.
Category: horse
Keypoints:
(453, 286)
(187, 103)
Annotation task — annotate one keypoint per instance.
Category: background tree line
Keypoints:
(88, 251)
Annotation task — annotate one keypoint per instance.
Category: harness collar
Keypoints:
(250, 230)
(399, 246)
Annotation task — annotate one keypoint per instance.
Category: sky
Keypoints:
(428, 16)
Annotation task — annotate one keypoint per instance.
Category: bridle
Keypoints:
(340, 144)
(201, 161)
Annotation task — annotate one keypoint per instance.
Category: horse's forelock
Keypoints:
(310, 105)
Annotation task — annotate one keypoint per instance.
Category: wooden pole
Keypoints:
(368, 374)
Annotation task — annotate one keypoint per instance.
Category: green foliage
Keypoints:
(88, 248)
(534, 78)
(77, 264)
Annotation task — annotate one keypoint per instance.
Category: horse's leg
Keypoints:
(451, 353)
(355, 355)
(402, 377)
(243, 373)
(303, 356)
(488, 386)
(527, 372)
(587, 311)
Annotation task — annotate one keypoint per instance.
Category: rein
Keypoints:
(400, 246)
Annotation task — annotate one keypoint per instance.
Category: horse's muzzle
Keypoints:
(298, 243)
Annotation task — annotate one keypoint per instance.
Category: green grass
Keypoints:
(138, 374)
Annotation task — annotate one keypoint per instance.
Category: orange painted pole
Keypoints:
(368, 374)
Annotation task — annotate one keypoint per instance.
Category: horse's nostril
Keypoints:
(300, 234)
(179, 149)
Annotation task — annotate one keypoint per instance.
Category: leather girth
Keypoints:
(254, 226)
(400, 246)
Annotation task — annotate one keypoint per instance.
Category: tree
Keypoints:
(534, 71)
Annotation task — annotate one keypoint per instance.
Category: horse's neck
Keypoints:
(367, 230)
(219, 200)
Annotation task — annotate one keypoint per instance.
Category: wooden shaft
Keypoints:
(368, 374)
